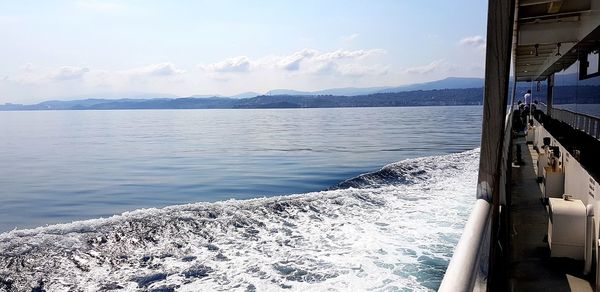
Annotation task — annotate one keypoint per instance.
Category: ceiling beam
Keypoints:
(548, 33)
(534, 2)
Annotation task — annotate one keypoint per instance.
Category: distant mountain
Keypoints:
(449, 91)
(59, 104)
(204, 95)
(237, 96)
(448, 83)
(126, 103)
(289, 92)
(436, 97)
(121, 95)
(245, 95)
(407, 98)
(346, 91)
(176, 103)
(443, 97)
(75, 104)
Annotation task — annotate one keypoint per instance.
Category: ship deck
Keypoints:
(530, 266)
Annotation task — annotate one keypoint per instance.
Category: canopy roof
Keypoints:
(548, 33)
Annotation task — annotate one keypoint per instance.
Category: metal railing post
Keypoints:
(585, 123)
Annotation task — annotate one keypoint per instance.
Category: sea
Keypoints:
(338, 199)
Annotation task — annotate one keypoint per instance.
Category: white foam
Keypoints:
(386, 235)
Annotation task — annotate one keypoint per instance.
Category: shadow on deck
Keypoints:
(530, 267)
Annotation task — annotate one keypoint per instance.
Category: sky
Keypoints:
(93, 48)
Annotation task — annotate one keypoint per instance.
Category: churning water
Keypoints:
(391, 230)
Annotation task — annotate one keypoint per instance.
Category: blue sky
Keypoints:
(76, 49)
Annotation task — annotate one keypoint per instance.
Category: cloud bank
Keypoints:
(305, 61)
(473, 41)
(427, 68)
(66, 73)
(160, 69)
(235, 64)
(304, 69)
(350, 38)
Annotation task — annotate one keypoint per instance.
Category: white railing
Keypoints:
(464, 272)
(469, 267)
(586, 123)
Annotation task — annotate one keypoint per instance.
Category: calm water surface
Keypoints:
(60, 166)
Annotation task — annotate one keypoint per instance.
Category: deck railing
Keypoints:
(464, 272)
(542, 106)
(588, 124)
(469, 267)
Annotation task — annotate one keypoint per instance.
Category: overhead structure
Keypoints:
(551, 35)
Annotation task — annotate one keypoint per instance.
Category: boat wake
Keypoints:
(393, 230)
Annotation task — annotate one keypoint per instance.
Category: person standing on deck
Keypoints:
(527, 101)
(525, 113)
(527, 98)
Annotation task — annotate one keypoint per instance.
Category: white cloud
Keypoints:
(350, 38)
(139, 78)
(235, 64)
(27, 67)
(325, 68)
(30, 75)
(305, 61)
(68, 73)
(27, 77)
(353, 70)
(160, 69)
(341, 54)
(302, 69)
(473, 41)
(339, 62)
(292, 62)
(426, 69)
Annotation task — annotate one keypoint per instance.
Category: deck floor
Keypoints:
(531, 267)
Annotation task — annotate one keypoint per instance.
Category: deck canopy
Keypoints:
(552, 34)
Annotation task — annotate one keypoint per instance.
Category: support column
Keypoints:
(497, 71)
(550, 95)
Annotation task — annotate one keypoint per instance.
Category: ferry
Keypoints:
(535, 223)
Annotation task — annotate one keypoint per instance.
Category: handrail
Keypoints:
(585, 123)
(573, 112)
(543, 107)
(462, 273)
(469, 266)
